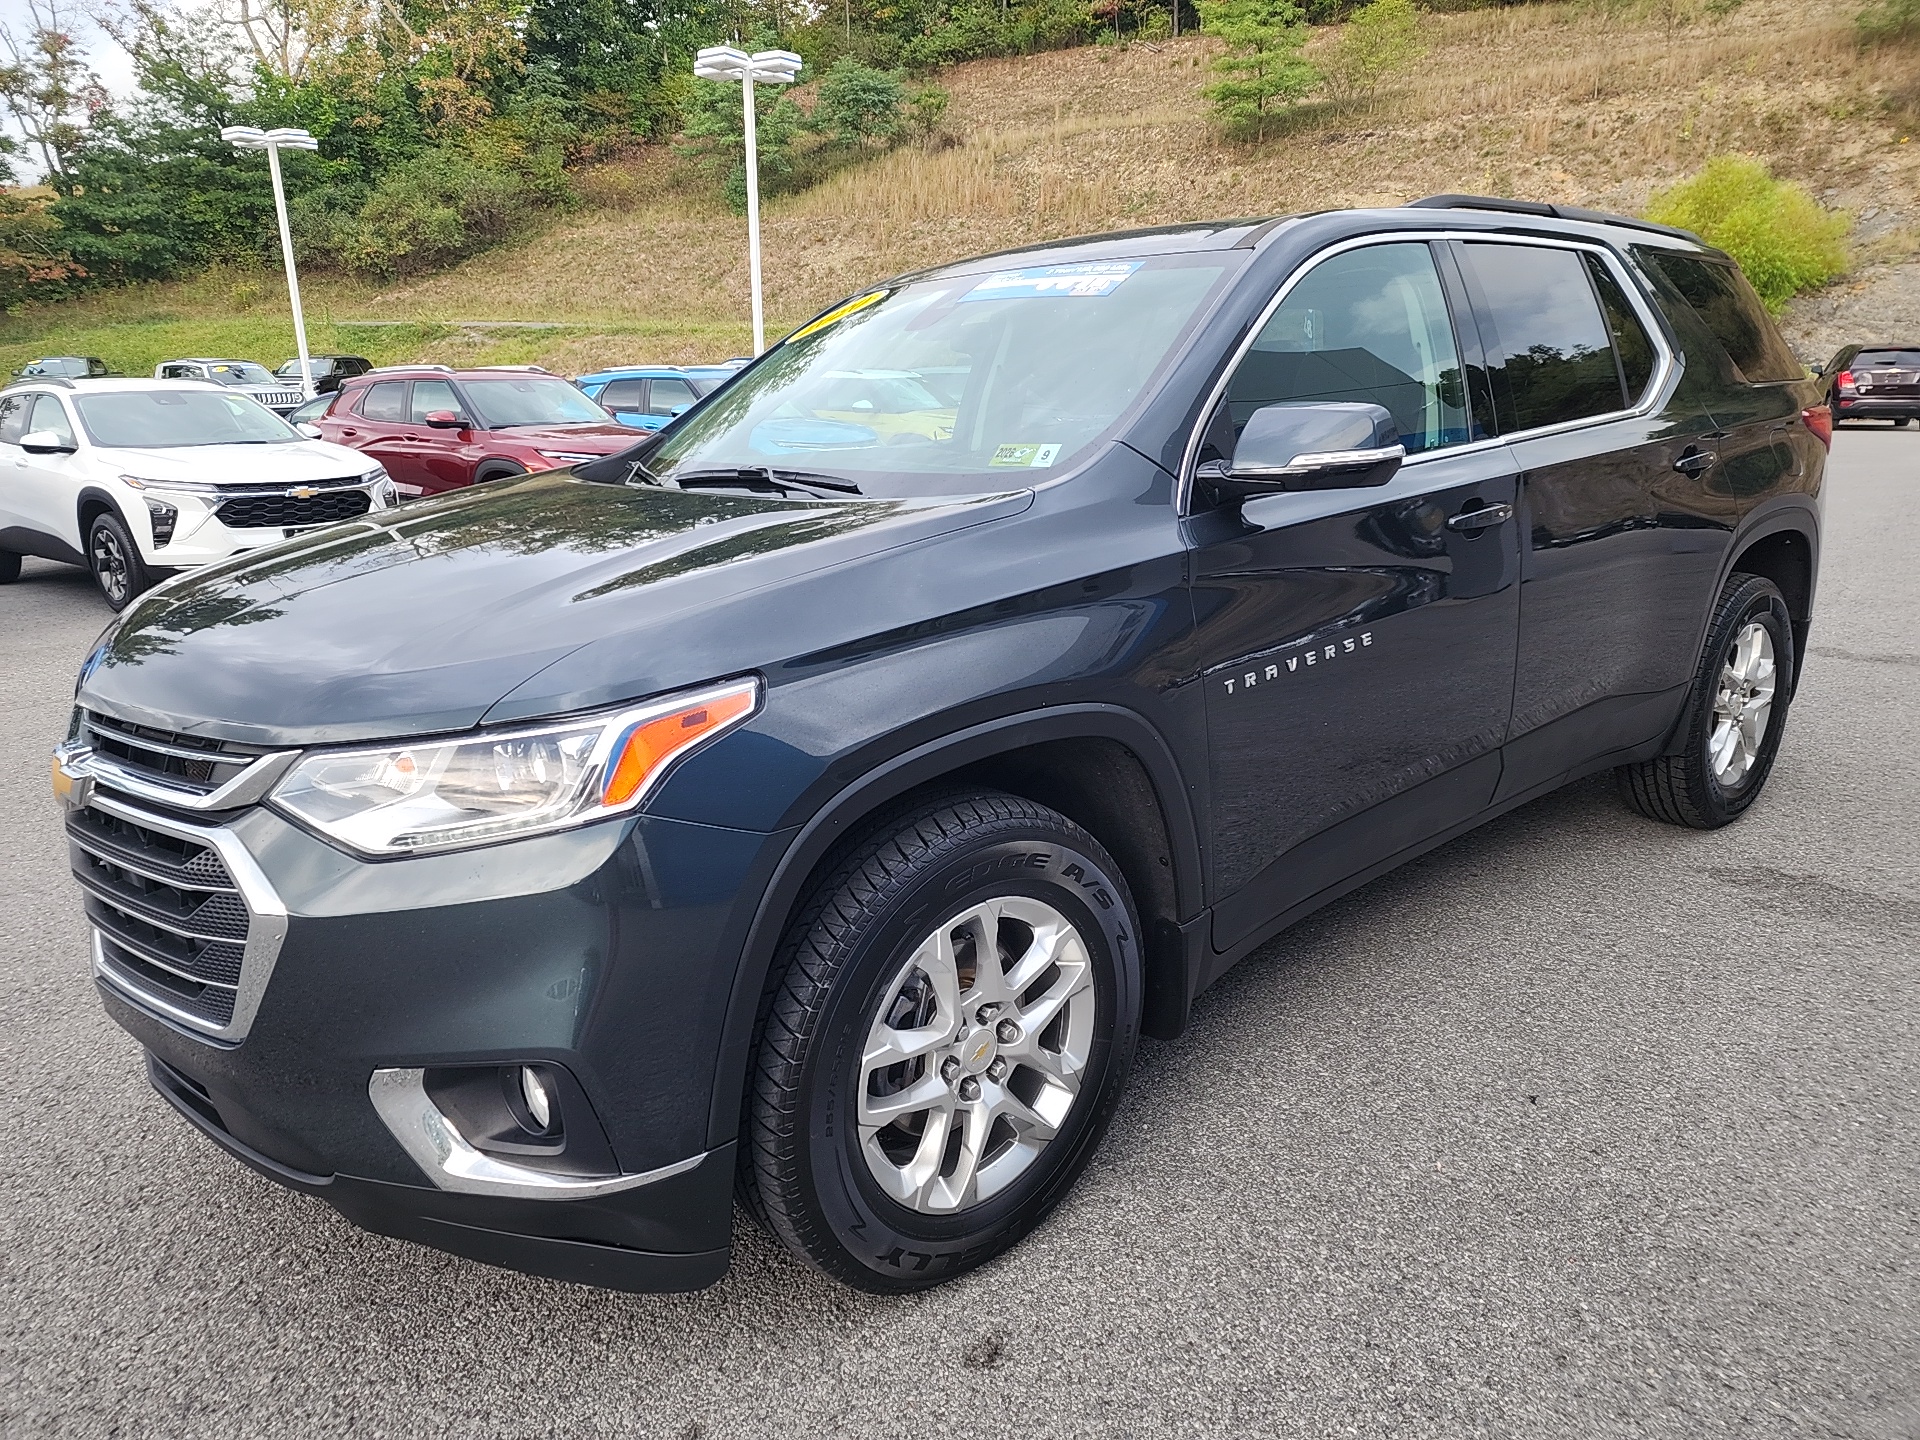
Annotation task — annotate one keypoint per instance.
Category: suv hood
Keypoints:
(295, 463)
(435, 616)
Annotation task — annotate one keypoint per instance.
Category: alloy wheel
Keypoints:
(110, 565)
(1742, 705)
(976, 1054)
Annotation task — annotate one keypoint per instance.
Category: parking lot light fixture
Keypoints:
(765, 67)
(252, 137)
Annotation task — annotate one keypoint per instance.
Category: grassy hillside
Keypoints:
(1590, 103)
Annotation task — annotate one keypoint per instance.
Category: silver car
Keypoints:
(252, 380)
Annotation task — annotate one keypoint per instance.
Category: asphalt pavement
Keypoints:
(1581, 1126)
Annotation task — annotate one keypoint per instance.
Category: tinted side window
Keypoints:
(1630, 343)
(385, 401)
(1721, 296)
(620, 395)
(1549, 350)
(1367, 325)
(669, 394)
(13, 417)
(51, 416)
(428, 396)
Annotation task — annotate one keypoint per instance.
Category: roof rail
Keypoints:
(389, 369)
(1552, 212)
(531, 369)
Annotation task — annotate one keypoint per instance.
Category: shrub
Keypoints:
(858, 104)
(1379, 38)
(1781, 236)
(714, 134)
(1263, 68)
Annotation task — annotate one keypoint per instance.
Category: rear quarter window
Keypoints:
(1719, 294)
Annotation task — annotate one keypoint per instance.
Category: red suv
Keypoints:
(437, 429)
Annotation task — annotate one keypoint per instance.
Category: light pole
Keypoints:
(252, 137)
(768, 67)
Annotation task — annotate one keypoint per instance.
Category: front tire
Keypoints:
(1735, 716)
(115, 561)
(955, 1021)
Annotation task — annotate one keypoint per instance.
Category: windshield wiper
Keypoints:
(794, 482)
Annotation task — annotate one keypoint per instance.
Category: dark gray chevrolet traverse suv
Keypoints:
(819, 805)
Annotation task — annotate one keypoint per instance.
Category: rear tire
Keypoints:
(9, 567)
(498, 470)
(115, 561)
(955, 1019)
(1735, 715)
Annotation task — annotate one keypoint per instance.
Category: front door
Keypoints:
(1357, 646)
(50, 484)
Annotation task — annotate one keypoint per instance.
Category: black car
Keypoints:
(328, 370)
(822, 809)
(1874, 382)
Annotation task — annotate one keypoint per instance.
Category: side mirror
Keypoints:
(444, 420)
(310, 430)
(45, 442)
(1330, 446)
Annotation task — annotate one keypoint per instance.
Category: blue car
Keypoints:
(648, 396)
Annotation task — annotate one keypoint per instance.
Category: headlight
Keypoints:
(568, 457)
(410, 799)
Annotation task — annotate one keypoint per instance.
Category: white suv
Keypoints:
(135, 479)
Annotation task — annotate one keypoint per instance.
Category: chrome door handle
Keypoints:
(1481, 519)
(1695, 462)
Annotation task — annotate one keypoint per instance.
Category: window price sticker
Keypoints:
(1031, 457)
(1090, 280)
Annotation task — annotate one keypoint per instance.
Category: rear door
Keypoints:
(378, 424)
(667, 396)
(626, 401)
(1357, 646)
(1618, 551)
(50, 484)
(16, 528)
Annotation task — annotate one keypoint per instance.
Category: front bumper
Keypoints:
(608, 951)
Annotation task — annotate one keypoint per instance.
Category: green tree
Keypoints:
(1263, 71)
(1380, 38)
(858, 104)
(714, 137)
(46, 87)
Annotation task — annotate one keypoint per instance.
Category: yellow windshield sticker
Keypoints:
(839, 312)
(1035, 457)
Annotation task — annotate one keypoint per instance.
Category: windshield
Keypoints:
(239, 372)
(532, 400)
(977, 376)
(164, 419)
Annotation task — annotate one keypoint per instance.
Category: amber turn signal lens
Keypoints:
(648, 747)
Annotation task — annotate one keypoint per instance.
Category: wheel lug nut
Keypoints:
(949, 1068)
(1008, 1032)
(986, 1013)
(997, 1071)
(970, 1089)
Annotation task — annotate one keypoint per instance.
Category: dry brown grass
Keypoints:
(1582, 102)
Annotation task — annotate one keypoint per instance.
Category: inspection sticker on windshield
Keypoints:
(1087, 281)
(1034, 457)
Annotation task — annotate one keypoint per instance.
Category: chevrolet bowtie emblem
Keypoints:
(302, 492)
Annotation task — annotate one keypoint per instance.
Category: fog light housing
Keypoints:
(532, 1113)
(164, 517)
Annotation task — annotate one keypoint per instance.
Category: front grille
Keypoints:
(259, 512)
(273, 399)
(166, 757)
(171, 923)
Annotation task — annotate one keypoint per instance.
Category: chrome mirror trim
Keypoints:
(1320, 461)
